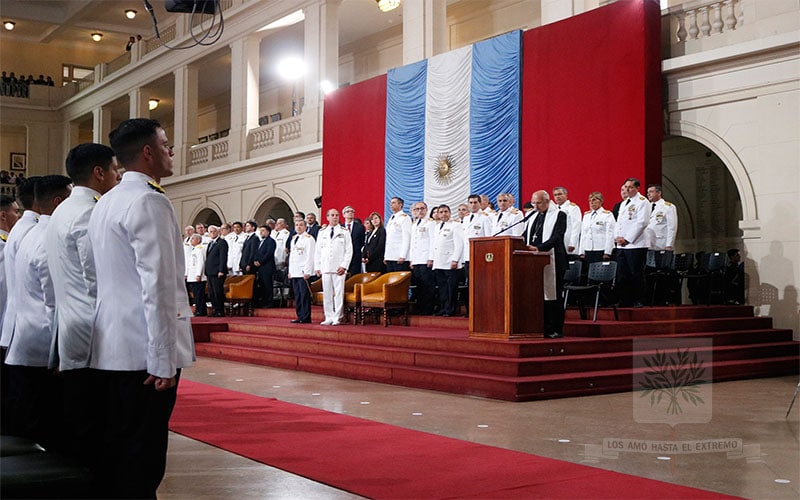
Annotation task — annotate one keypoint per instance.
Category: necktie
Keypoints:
(628, 202)
(331, 231)
(471, 217)
(499, 216)
(594, 212)
(441, 226)
(348, 227)
(653, 207)
(418, 221)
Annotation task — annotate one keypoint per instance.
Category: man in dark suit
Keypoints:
(264, 264)
(356, 230)
(545, 233)
(217, 270)
(249, 247)
(312, 224)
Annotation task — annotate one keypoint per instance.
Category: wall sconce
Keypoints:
(97, 37)
(152, 104)
(387, 5)
(130, 13)
(9, 25)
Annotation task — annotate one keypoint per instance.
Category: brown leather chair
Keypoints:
(389, 291)
(239, 294)
(352, 297)
(316, 292)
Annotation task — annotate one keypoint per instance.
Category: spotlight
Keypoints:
(327, 86)
(97, 37)
(9, 25)
(130, 13)
(152, 104)
(387, 5)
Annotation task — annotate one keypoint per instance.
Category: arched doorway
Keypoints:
(208, 217)
(702, 188)
(274, 208)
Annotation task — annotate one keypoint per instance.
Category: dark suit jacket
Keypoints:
(313, 230)
(555, 241)
(217, 257)
(357, 237)
(615, 210)
(373, 251)
(265, 255)
(248, 253)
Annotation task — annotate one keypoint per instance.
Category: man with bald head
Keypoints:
(544, 233)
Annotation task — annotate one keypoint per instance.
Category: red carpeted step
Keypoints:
(665, 313)
(643, 328)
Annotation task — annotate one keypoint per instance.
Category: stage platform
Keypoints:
(437, 353)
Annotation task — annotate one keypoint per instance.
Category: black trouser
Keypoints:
(216, 291)
(447, 281)
(393, 266)
(136, 434)
(630, 275)
(302, 299)
(424, 281)
(264, 276)
(34, 408)
(199, 292)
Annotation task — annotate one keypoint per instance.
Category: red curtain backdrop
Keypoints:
(591, 102)
(353, 148)
(591, 112)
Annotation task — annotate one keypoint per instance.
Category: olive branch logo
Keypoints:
(674, 377)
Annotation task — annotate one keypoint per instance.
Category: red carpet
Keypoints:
(383, 461)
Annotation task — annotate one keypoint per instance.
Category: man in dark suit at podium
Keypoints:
(544, 233)
(217, 270)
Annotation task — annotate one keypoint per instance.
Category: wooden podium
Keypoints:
(506, 291)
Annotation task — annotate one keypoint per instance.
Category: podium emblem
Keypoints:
(489, 257)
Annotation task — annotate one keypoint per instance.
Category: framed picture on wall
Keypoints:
(18, 162)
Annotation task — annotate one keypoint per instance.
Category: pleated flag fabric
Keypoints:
(453, 124)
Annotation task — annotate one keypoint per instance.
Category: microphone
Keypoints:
(524, 219)
(149, 8)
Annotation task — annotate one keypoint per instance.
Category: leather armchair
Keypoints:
(352, 293)
(239, 292)
(389, 291)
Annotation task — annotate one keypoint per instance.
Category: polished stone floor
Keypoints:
(736, 442)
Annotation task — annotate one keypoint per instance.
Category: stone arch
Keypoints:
(273, 208)
(207, 216)
(718, 146)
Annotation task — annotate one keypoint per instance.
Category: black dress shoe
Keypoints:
(554, 335)
(305, 321)
(296, 321)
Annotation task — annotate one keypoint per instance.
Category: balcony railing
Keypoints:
(208, 153)
(697, 20)
(280, 133)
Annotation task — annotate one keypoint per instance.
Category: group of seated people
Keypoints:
(14, 86)
(7, 177)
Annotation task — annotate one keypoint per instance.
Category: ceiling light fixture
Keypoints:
(97, 37)
(130, 13)
(387, 5)
(9, 25)
(152, 104)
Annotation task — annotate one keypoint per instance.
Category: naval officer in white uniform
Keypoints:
(332, 255)
(143, 334)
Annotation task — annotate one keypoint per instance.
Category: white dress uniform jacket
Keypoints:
(597, 231)
(332, 252)
(280, 238)
(634, 214)
(301, 255)
(69, 251)
(143, 316)
(663, 225)
(420, 249)
(447, 245)
(24, 224)
(573, 235)
(398, 237)
(235, 247)
(196, 264)
(3, 285)
(504, 220)
(476, 225)
(35, 301)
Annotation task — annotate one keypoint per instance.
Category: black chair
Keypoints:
(601, 278)
(658, 270)
(707, 280)
(572, 276)
(682, 265)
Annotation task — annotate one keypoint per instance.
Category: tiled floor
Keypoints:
(761, 456)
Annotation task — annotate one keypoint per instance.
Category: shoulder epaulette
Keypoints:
(96, 198)
(667, 203)
(641, 197)
(3, 237)
(587, 212)
(514, 210)
(606, 211)
(154, 185)
(572, 203)
(403, 214)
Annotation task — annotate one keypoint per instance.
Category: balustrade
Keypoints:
(707, 20)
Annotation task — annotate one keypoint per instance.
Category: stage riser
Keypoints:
(486, 364)
(514, 349)
(628, 329)
(666, 313)
(437, 354)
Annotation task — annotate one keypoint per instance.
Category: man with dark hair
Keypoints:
(264, 264)
(25, 196)
(631, 241)
(249, 247)
(142, 330)
(398, 238)
(447, 248)
(34, 396)
(94, 172)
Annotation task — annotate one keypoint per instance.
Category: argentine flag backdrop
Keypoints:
(453, 124)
